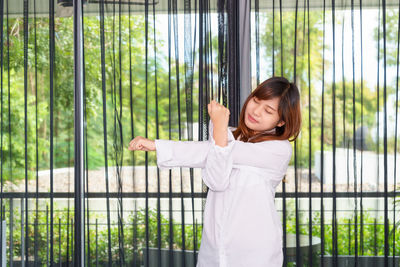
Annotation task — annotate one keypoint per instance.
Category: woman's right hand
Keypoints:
(142, 144)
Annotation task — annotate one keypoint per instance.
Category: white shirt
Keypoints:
(241, 225)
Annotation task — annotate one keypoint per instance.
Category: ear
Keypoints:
(280, 124)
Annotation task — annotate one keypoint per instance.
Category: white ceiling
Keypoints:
(137, 6)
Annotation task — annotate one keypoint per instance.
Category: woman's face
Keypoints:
(264, 113)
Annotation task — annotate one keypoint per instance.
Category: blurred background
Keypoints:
(149, 69)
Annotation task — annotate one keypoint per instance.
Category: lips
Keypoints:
(252, 119)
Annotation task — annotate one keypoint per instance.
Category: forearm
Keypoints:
(191, 154)
(220, 135)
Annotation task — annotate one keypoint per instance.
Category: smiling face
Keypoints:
(262, 115)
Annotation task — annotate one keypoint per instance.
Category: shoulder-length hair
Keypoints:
(288, 110)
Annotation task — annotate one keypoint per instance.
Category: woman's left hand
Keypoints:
(219, 114)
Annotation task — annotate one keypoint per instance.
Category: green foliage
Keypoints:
(126, 68)
(310, 25)
(134, 232)
(373, 232)
(273, 36)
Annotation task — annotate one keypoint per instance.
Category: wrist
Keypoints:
(220, 136)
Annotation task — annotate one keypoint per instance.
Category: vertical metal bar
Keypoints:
(135, 248)
(11, 260)
(3, 249)
(47, 235)
(349, 236)
(375, 239)
(385, 143)
(118, 145)
(310, 219)
(378, 106)
(201, 110)
(67, 256)
(85, 145)
(22, 234)
(334, 224)
(26, 40)
(257, 35)
(51, 68)
(79, 230)
(177, 73)
(170, 207)
(159, 241)
(280, 24)
(146, 15)
(10, 146)
(354, 140)
(134, 239)
(36, 229)
(345, 142)
(188, 59)
(273, 40)
(97, 244)
(322, 226)
(104, 95)
(59, 241)
(283, 184)
(395, 133)
(72, 241)
(298, 256)
(362, 134)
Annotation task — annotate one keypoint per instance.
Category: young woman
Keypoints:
(242, 169)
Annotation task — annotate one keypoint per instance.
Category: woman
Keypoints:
(242, 170)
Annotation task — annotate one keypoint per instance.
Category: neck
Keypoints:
(271, 131)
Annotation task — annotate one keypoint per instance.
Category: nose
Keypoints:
(258, 110)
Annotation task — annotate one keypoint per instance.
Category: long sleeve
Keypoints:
(271, 155)
(219, 163)
(190, 154)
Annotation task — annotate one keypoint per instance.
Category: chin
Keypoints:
(248, 125)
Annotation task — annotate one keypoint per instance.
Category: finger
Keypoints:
(132, 141)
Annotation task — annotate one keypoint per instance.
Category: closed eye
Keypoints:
(264, 109)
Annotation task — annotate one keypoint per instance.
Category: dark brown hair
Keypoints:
(288, 110)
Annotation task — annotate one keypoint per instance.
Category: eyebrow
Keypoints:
(266, 104)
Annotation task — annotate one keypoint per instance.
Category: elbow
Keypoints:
(218, 168)
(219, 187)
(215, 182)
